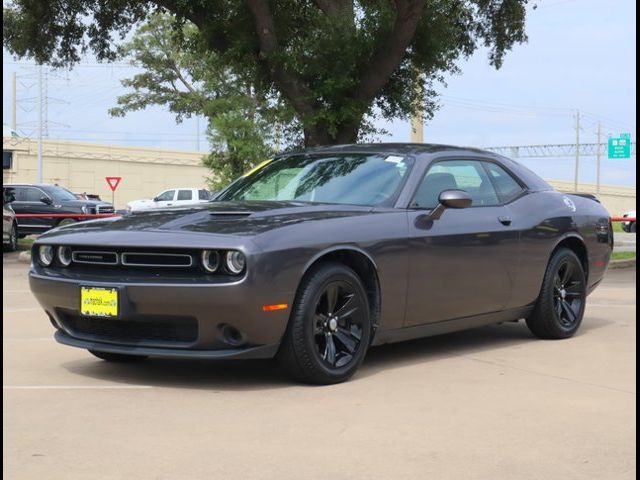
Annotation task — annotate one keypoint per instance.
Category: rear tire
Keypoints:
(329, 329)
(560, 306)
(632, 227)
(118, 357)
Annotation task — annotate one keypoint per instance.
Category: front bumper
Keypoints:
(247, 353)
(204, 321)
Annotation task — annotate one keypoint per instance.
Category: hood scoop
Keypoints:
(230, 215)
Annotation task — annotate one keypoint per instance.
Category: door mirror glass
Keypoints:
(455, 199)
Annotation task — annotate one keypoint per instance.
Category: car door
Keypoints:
(464, 263)
(165, 199)
(184, 197)
(34, 201)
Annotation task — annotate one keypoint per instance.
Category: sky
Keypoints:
(581, 55)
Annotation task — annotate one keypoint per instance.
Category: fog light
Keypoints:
(64, 256)
(235, 262)
(45, 254)
(210, 260)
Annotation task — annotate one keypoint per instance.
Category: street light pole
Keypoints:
(40, 123)
(598, 158)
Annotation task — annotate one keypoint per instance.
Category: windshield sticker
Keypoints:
(394, 159)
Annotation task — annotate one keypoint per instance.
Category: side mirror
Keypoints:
(451, 199)
(46, 200)
(155, 199)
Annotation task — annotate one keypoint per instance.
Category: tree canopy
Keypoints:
(332, 62)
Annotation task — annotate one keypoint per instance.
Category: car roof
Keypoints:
(402, 148)
(40, 185)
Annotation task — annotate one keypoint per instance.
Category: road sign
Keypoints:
(113, 182)
(620, 147)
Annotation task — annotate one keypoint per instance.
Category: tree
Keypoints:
(334, 62)
(190, 82)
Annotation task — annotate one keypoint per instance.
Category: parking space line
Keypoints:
(28, 309)
(76, 387)
(614, 305)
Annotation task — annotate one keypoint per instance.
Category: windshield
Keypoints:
(60, 194)
(358, 179)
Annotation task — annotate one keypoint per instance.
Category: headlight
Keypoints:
(64, 256)
(210, 260)
(235, 262)
(45, 254)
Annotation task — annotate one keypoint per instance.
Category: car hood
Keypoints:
(223, 218)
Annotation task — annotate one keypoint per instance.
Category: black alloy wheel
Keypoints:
(568, 294)
(560, 306)
(338, 321)
(329, 330)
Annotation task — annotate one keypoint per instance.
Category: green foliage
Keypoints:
(337, 64)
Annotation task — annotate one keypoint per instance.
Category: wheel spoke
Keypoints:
(330, 350)
(318, 323)
(567, 273)
(571, 315)
(332, 298)
(559, 307)
(344, 337)
(344, 359)
(348, 309)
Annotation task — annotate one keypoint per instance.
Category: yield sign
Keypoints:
(113, 182)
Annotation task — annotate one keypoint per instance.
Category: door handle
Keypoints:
(506, 221)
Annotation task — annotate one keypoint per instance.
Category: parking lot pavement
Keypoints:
(492, 403)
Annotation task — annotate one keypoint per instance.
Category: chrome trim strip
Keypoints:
(93, 252)
(123, 257)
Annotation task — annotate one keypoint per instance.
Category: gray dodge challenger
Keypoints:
(315, 256)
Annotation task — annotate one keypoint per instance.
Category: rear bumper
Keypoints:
(262, 351)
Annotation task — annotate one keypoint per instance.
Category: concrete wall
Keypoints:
(82, 167)
(617, 200)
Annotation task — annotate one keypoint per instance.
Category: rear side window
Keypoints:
(467, 175)
(506, 186)
(203, 195)
(185, 195)
(31, 194)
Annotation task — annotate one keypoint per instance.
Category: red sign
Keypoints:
(113, 182)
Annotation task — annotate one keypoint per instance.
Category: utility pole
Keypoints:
(598, 158)
(14, 102)
(40, 123)
(417, 128)
(577, 173)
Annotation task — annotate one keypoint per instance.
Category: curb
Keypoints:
(622, 263)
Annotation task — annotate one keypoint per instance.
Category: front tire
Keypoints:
(560, 307)
(117, 357)
(330, 327)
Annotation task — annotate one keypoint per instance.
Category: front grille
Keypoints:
(94, 257)
(104, 209)
(133, 259)
(146, 328)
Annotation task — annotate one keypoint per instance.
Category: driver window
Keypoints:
(468, 175)
(166, 196)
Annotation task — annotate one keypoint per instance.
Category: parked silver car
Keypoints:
(9, 228)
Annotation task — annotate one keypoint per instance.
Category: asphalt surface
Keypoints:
(491, 403)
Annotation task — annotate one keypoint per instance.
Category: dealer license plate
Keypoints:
(98, 302)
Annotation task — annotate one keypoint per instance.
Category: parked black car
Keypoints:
(45, 199)
(318, 255)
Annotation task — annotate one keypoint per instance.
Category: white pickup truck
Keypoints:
(174, 197)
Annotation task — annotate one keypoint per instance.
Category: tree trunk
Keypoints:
(318, 135)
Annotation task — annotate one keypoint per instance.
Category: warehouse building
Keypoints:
(82, 167)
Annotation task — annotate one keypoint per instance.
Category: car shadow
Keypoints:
(266, 375)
